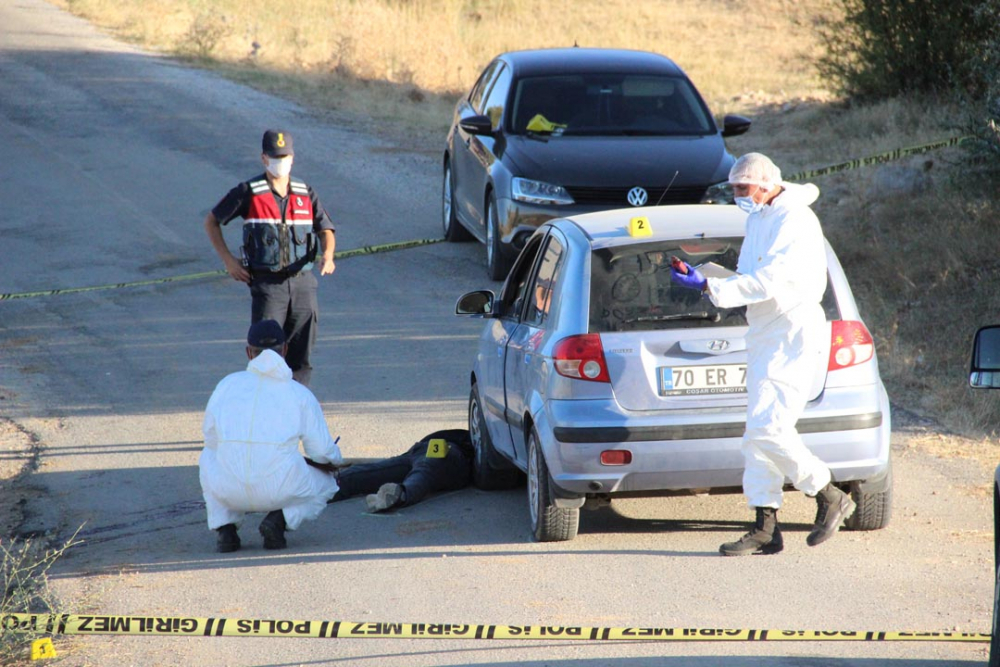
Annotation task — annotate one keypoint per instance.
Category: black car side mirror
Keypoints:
(733, 125)
(479, 303)
(477, 125)
(984, 372)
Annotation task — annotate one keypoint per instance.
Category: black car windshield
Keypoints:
(631, 290)
(608, 105)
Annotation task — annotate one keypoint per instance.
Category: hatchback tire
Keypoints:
(490, 471)
(497, 262)
(453, 229)
(874, 503)
(549, 523)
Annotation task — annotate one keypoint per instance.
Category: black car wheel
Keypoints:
(490, 471)
(453, 229)
(549, 523)
(497, 263)
(874, 503)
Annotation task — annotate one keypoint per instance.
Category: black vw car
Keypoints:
(553, 132)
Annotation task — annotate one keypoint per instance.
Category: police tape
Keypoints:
(343, 254)
(78, 624)
(879, 158)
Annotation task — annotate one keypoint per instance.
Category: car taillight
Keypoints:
(581, 357)
(850, 344)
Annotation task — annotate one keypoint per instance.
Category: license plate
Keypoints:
(692, 380)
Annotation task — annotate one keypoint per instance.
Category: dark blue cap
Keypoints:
(277, 143)
(265, 334)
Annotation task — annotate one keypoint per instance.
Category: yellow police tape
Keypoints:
(879, 158)
(79, 624)
(343, 254)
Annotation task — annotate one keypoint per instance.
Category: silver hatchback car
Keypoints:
(599, 378)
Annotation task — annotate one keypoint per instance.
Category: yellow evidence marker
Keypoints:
(639, 227)
(42, 649)
(437, 448)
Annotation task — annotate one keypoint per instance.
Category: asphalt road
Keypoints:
(111, 159)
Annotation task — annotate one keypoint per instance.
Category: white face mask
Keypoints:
(748, 205)
(279, 166)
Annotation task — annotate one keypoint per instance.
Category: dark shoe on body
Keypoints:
(229, 540)
(272, 528)
(764, 538)
(833, 506)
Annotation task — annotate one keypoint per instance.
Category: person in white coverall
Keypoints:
(251, 461)
(781, 277)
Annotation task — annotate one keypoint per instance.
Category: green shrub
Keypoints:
(883, 48)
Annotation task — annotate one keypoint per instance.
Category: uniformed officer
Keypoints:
(284, 226)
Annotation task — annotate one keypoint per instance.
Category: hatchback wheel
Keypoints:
(874, 501)
(490, 471)
(497, 263)
(453, 229)
(548, 522)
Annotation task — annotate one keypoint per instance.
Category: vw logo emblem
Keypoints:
(637, 196)
(718, 345)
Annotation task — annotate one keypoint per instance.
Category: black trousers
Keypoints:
(291, 302)
(414, 470)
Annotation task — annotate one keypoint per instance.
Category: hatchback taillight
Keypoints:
(582, 358)
(850, 344)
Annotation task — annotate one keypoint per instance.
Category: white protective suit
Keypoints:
(781, 277)
(251, 461)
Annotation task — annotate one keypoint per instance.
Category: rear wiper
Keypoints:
(703, 315)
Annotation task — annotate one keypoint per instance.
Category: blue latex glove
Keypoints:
(685, 275)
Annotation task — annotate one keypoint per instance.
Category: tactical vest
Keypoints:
(273, 244)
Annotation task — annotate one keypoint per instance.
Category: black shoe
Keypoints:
(833, 506)
(273, 530)
(764, 538)
(229, 540)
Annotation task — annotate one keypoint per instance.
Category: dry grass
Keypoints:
(439, 46)
(921, 264)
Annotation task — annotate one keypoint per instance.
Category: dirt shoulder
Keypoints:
(19, 454)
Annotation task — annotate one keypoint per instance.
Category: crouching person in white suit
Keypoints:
(251, 461)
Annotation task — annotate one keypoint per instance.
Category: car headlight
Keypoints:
(720, 193)
(538, 192)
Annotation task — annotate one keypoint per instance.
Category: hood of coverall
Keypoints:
(270, 364)
(796, 194)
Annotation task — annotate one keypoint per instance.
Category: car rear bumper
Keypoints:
(701, 450)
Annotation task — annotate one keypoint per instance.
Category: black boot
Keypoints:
(833, 506)
(763, 538)
(229, 540)
(273, 530)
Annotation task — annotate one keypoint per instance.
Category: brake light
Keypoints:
(582, 358)
(850, 344)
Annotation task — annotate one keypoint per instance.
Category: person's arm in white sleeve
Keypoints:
(208, 430)
(316, 440)
(775, 274)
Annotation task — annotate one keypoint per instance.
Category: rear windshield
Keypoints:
(631, 290)
(608, 105)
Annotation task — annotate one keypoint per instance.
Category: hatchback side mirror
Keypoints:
(985, 369)
(478, 303)
(477, 125)
(733, 125)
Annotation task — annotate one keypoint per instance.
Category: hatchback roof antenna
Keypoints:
(668, 187)
(575, 45)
